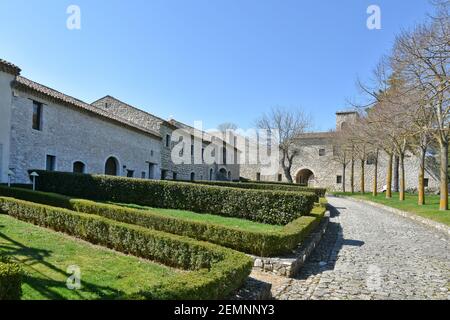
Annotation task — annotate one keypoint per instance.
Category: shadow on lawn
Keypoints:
(30, 258)
(325, 254)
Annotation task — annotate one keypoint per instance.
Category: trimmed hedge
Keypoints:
(266, 206)
(253, 242)
(215, 271)
(320, 192)
(10, 280)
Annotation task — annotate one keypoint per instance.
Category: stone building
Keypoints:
(41, 128)
(316, 166)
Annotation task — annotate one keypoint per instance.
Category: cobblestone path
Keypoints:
(369, 253)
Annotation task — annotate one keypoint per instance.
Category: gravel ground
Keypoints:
(370, 253)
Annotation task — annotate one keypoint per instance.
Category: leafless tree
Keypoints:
(422, 58)
(288, 124)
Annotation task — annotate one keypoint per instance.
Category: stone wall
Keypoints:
(325, 169)
(5, 123)
(71, 134)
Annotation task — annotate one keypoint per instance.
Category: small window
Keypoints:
(203, 154)
(163, 174)
(174, 176)
(224, 155)
(50, 164)
(426, 181)
(143, 174)
(258, 176)
(130, 173)
(280, 177)
(321, 152)
(37, 116)
(211, 172)
(192, 176)
(78, 167)
(167, 140)
(371, 159)
(192, 149)
(338, 179)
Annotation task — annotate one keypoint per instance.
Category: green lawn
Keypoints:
(243, 224)
(430, 210)
(45, 256)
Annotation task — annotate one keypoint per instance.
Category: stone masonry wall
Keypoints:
(72, 135)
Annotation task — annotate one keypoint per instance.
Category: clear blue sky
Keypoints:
(210, 60)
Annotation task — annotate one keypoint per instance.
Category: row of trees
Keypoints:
(409, 109)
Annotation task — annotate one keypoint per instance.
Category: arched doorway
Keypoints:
(305, 177)
(112, 166)
(79, 167)
(222, 176)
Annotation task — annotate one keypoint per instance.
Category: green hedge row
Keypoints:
(253, 242)
(10, 280)
(215, 272)
(320, 192)
(266, 206)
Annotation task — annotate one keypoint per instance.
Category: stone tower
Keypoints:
(344, 118)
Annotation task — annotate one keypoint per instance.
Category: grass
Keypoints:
(45, 255)
(430, 210)
(243, 224)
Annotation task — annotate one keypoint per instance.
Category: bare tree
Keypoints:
(342, 152)
(422, 58)
(289, 124)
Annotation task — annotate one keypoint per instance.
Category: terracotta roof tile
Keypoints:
(9, 67)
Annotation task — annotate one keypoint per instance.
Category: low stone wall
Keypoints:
(254, 289)
(430, 223)
(289, 265)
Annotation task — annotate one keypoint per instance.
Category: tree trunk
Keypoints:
(375, 177)
(389, 177)
(443, 203)
(363, 183)
(343, 177)
(402, 177)
(287, 173)
(421, 187)
(396, 166)
(352, 176)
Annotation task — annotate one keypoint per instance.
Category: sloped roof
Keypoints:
(8, 67)
(28, 85)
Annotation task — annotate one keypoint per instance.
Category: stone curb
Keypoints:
(289, 265)
(430, 223)
(254, 289)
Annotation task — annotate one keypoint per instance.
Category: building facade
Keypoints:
(316, 165)
(41, 128)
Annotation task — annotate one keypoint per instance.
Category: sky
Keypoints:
(210, 60)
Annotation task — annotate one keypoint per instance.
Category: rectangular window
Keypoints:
(425, 182)
(130, 173)
(280, 177)
(143, 174)
(37, 115)
(192, 149)
(50, 164)
(163, 174)
(321, 152)
(338, 179)
(174, 176)
(167, 140)
(258, 176)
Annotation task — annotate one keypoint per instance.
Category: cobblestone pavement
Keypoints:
(369, 253)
